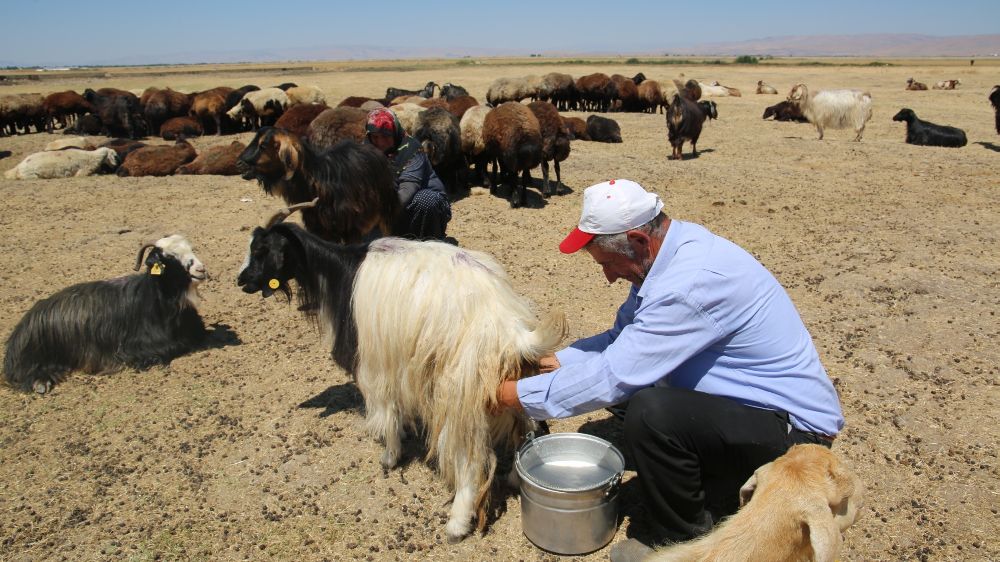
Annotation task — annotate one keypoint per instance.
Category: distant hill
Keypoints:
(869, 45)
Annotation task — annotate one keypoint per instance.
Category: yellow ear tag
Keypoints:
(274, 284)
(155, 269)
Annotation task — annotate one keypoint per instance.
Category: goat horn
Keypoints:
(287, 211)
(142, 252)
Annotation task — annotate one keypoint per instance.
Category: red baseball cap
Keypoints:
(611, 207)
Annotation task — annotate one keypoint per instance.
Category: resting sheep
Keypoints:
(71, 162)
(353, 182)
(157, 160)
(834, 109)
(438, 364)
(181, 127)
(714, 89)
(925, 133)
(785, 111)
(134, 321)
(915, 86)
(577, 128)
(602, 129)
(217, 161)
(83, 143)
(763, 88)
(947, 84)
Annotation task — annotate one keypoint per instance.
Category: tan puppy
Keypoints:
(801, 503)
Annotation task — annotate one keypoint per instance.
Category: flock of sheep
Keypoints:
(303, 151)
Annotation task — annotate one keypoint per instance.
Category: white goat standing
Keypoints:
(834, 109)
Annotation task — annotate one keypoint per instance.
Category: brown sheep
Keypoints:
(336, 124)
(628, 93)
(209, 107)
(650, 96)
(765, 88)
(157, 160)
(596, 91)
(513, 138)
(123, 147)
(354, 101)
(65, 107)
(181, 127)
(161, 105)
(434, 102)
(560, 89)
(215, 161)
(577, 128)
(915, 86)
(457, 106)
(297, 118)
(555, 143)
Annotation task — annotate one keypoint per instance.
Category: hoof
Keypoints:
(41, 387)
(456, 531)
(389, 460)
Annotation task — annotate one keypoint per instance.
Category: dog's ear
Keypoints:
(824, 533)
(748, 488)
(846, 495)
(288, 153)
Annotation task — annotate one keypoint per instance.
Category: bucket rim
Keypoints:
(610, 481)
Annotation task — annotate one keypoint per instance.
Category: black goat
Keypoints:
(427, 92)
(785, 111)
(136, 321)
(353, 182)
(995, 100)
(925, 133)
(451, 91)
(118, 110)
(685, 118)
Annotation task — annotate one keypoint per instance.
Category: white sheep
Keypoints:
(305, 94)
(512, 89)
(765, 88)
(263, 107)
(83, 143)
(407, 114)
(834, 109)
(714, 89)
(63, 164)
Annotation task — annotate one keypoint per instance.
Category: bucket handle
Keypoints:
(613, 485)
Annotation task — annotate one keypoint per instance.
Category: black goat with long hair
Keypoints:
(995, 100)
(925, 133)
(353, 182)
(135, 321)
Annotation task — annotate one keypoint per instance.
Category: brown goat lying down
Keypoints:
(160, 160)
(792, 509)
(215, 161)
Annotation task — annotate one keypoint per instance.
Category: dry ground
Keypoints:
(250, 449)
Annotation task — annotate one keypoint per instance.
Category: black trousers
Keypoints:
(693, 451)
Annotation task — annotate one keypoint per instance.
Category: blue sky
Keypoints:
(113, 31)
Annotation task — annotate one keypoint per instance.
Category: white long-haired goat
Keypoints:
(429, 330)
(834, 109)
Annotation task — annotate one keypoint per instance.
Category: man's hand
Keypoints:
(548, 364)
(507, 397)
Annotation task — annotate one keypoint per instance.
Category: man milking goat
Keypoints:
(708, 362)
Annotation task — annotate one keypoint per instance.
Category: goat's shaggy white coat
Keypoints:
(834, 109)
(67, 163)
(439, 328)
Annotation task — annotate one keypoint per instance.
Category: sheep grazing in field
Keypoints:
(427, 92)
(650, 96)
(160, 106)
(353, 182)
(441, 139)
(764, 88)
(68, 163)
(947, 84)
(181, 127)
(88, 124)
(451, 91)
(915, 86)
(925, 133)
(473, 144)
(297, 118)
(596, 91)
(305, 94)
(261, 107)
(438, 364)
(627, 98)
(215, 161)
(794, 508)
(555, 143)
(503, 90)
(785, 111)
(65, 108)
(233, 99)
(577, 128)
(995, 101)
(560, 89)
(19, 112)
(83, 143)
(834, 109)
(513, 141)
(157, 160)
(135, 321)
(209, 108)
(685, 119)
(602, 129)
(336, 124)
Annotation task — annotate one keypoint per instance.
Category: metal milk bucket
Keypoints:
(569, 491)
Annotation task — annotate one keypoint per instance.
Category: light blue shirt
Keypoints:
(708, 317)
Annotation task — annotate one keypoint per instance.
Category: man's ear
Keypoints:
(639, 242)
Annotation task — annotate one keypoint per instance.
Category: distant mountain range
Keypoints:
(868, 45)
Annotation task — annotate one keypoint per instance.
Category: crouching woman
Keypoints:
(422, 195)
